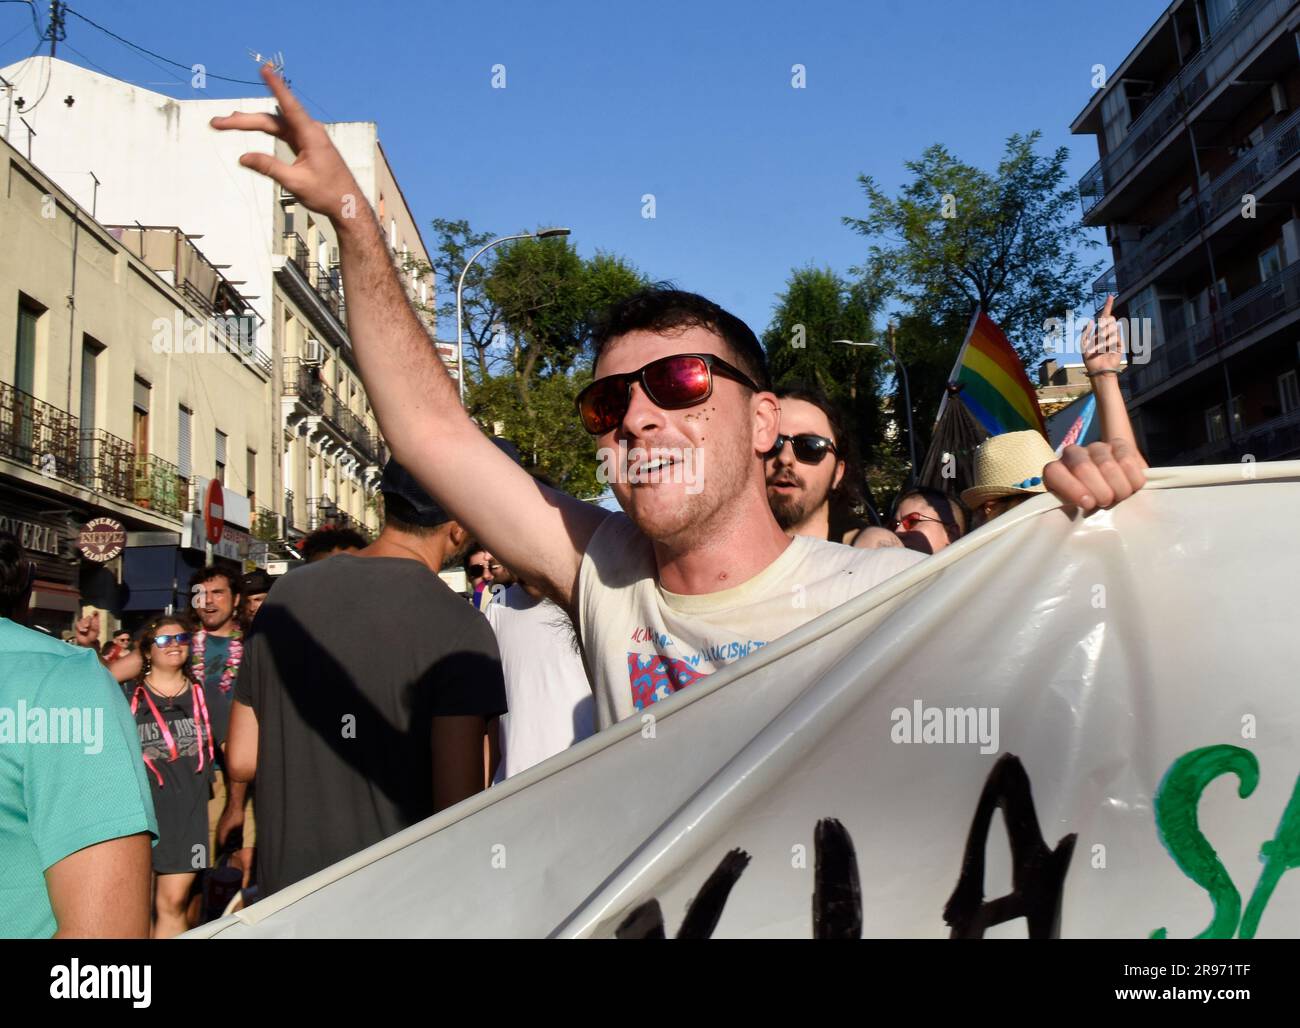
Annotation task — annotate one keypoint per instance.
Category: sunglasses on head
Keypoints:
(180, 638)
(808, 448)
(680, 380)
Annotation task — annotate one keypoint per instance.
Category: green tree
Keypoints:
(530, 307)
(957, 237)
(456, 244)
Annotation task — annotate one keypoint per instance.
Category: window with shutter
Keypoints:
(183, 446)
(221, 457)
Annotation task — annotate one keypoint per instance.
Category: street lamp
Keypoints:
(907, 391)
(543, 233)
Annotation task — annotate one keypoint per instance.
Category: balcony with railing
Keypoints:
(1253, 310)
(107, 464)
(328, 283)
(37, 434)
(1245, 176)
(321, 510)
(50, 441)
(1206, 70)
(154, 486)
(1277, 438)
(295, 248)
(302, 380)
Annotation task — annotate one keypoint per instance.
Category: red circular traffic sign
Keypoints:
(214, 512)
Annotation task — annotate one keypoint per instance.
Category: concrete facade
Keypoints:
(94, 430)
(158, 162)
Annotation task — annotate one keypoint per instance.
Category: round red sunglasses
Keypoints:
(673, 382)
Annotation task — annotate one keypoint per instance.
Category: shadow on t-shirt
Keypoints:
(345, 717)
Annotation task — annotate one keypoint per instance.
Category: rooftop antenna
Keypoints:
(275, 60)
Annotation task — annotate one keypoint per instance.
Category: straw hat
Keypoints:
(1010, 464)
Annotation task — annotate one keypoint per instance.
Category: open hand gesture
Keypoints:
(318, 177)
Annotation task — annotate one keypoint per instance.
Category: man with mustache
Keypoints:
(697, 572)
(806, 468)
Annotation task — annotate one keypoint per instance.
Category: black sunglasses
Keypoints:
(808, 448)
(673, 382)
(476, 570)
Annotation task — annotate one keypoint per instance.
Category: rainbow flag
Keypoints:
(995, 388)
(1081, 425)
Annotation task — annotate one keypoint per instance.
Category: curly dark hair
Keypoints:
(662, 309)
(150, 632)
(332, 537)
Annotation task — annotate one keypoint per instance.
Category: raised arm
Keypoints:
(1103, 353)
(542, 533)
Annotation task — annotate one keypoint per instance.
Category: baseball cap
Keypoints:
(254, 583)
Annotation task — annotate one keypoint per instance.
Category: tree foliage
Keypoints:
(530, 307)
(957, 237)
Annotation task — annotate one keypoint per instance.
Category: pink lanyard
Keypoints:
(201, 720)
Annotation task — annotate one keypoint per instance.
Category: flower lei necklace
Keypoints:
(233, 658)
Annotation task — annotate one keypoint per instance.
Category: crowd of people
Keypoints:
(286, 726)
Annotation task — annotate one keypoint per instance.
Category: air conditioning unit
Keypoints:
(314, 352)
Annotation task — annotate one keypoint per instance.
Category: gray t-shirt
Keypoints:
(346, 664)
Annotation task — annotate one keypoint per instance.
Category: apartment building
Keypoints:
(1198, 187)
(137, 156)
(129, 379)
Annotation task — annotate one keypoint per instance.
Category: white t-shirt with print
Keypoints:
(644, 643)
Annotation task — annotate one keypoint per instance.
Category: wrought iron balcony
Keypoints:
(154, 486)
(323, 511)
(107, 464)
(1212, 65)
(37, 434)
(303, 381)
(50, 440)
(296, 250)
(328, 283)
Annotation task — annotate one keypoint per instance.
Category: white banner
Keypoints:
(1124, 687)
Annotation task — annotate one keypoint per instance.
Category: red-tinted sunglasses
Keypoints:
(680, 380)
(908, 522)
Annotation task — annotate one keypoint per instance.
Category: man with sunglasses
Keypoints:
(483, 572)
(806, 467)
(697, 572)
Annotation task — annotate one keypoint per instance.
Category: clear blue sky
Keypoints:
(690, 101)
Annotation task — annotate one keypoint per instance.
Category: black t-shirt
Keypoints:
(180, 785)
(347, 663)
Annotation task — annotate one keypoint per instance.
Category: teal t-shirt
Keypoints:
(216, 650)
(71, 773)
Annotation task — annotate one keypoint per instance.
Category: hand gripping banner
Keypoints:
(1058, 727)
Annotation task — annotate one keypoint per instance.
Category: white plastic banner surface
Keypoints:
(1104, 711)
